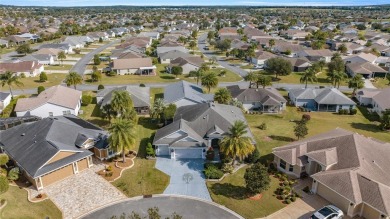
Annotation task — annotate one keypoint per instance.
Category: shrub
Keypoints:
(109, 168)
(86, 100)
(227, 168)
(257, 179)
(306, 189)
(3, 184)
(40, 89)
(293, 199)
(263, 126)
(13, 174)
(254, 157)
(142, 85)
(43, 77)
(22, 75)
(212, 172)
(353, 111)
(288, 201)
(149, 150)
(39, 196)
(100, 87)
(108, 174)
(306, 117)
(3, 159)
(286, 183)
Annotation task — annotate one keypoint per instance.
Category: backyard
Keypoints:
(381, 82)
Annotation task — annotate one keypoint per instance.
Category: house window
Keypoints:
(67, 112)
(291, 168)
(50, 113)
(282, 164)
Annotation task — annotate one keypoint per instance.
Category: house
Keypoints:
(361, 57)
(266, 100)
(191, 63)
(316, 55)
(7, 123)
(29, 36)
(49, 51)
(139, 66)
(352, 48)
(44, 59)
(167, 57)
(3, 43)
(294, 34)
(28, 68)
(66, 47)
(141, 43)
(162, 49)
(96, 36)
(16, 40)
(183, 93)
(78, 41)
(52, 149)
(5, 99)
(195, 129)
(379, 99)
(153, 35)
(54, 101)
(299, 64)
(347, 169)
(366, 69)
(262, 56)
(139, 95)
(322, 99)
(291, 50)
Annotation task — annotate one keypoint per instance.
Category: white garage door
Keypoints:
(188, 153)
(163, 150)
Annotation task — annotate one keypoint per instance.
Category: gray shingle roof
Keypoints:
(322, 96)
(139, 95)
(266, 96)
(183, 89)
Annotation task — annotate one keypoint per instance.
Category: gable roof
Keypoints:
(139, 95)
(22, 66)
(322, 95)
(365, 68)
(57, 95)
(383, 98)
(193, 60)
(266, 96)
(33, 145)
(173, 54)
(183, 89)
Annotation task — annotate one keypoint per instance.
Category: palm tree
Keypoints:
(338, 78)
(222, 96)
(235, 144)
(73, 79)
(204, 67)
(107, 112)
(321, 64)
(356, 83)
(61, 56)
(122, 136)
(9, 78)
(158, 108)
(209, 80)
(251, 77)
(121, 103)
(308, 75)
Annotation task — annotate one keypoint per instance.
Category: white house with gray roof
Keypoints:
(322, 99)
(195, 129)
(184, 93)
(379, 99)
(5, 99)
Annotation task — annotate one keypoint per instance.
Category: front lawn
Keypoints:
(381, 83)
(231, 191)
(58, 67)
(19, 207)
(33, 82)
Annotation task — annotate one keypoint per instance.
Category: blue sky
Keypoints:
(191, 2)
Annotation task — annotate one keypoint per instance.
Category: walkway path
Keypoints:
(368, 84)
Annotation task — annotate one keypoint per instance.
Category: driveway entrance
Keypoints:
(187, 177)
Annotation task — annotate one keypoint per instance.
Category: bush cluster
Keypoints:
(213, 172)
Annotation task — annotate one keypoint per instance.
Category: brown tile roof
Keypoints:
(25, 66)
(57, 95)
(194, 60)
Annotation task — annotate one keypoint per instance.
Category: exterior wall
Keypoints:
(258, 61)
(6, 102)
(127, 71)
(188, 67)
(57, 175)
(60, 155)
(377, 108)
(333, 197)
(364, 100)
(182, 153)
(296, 169)
(33, 181)
(184, 102)
(162, 150)
(43, 111)
(370, 213)
(309, 103)
(165, 61)
(82, 164)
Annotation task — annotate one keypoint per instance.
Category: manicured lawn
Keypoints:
(58, 67)
(102, 65)
(280, 130)
(33, 82)
(381, 83)
(231, 191)
(19, 207)
(156, 92)
(75, 55)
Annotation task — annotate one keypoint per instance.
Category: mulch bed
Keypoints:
(117, 167)
(36, 199)
(256, 197)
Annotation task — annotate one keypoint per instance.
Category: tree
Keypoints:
(73, 79)
(263, 80)
(96, 76)
(177, 70)
(388, 78)
(24, 49)
(13, 174)
(223, 45)
(107, 112)
(157, 109)
(308, 75)
(213, 59)
(300, 130)
(235, 144)
(334, 66)
(210, 35)
(271, 43)
(278, 66)
(10, 79)
(40, 89)
(192, 44)
(122, 136)
(169, 111)
(209, 80)
(321, 64)
(43, 77)
(96, 59)
(196, 74)
(385, 120)
(3, 184)
(86, 100)
(251, 77)
(61, 56)
(149, 149)
(122, 103)
(339, 77)
(3, 159)
(257, 178)
(356, 82)
(342, 48)
(204, 67)
(222, 96)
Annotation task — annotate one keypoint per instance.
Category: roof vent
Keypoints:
(23, 134)
(35, 142)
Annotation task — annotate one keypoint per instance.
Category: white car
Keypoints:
(328, 212)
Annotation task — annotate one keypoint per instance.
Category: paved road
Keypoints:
(186, 207)
(81, 65)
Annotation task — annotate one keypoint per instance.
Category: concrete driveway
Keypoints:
(82, 193)
(187, 177)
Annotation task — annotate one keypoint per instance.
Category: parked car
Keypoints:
(258, 67)
(328, 212)
(206, 48)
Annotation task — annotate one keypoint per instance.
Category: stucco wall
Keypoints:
(57, 175)
(333, 197)
(61, 155)
(43, 111)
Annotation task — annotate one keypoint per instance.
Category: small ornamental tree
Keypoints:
(40, 89)
(43, 77)
(177, 70)
(257, 179)
(385, 120)
(149, 150)
(301, 130)
(86, 100)
(96, 59)
(13, 174)
(3, 159)
(100, 87)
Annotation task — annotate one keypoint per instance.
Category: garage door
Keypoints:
(57, 175)
(163, 150)
(333, 197)
(370, 213)
(188, 153)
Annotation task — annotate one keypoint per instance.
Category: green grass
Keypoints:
(231, 191)
(19, 207)
(381, 83)
(33, 82)
(58, 67)
(156, 92)
(75, 55)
